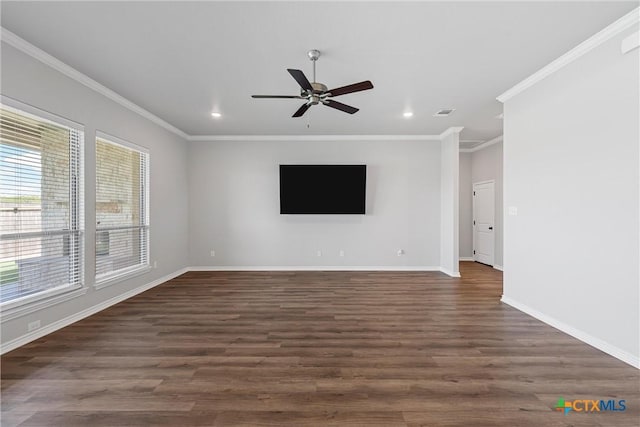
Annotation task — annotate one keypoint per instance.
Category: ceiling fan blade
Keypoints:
(277, 96)
(340, 106)
(356, 87)
(301, 110)
(301, 79)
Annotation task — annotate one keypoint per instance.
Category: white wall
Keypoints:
(449, 202)
(30, 81)
(486, 164)
(234, 205)
(572, 170)
(465, 208)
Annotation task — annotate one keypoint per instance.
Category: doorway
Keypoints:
(484, 222)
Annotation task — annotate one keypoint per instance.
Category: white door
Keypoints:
(483, 222)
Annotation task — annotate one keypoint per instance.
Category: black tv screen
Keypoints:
(323, 189)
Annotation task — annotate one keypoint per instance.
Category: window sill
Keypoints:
(32, 303)
(112, 279)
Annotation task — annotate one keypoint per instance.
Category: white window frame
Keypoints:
(30, 303)
(107, 279)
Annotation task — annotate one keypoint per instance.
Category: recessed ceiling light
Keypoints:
(408, 114)
(216, 114)
(444, 112)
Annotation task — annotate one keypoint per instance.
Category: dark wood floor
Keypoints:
(313, 349)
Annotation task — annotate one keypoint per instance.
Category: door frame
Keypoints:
(473, 216)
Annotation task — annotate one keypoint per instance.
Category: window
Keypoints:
(122, 218)
(40, 204)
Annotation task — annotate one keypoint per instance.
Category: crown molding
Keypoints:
(19, 43)
(630, 43)
(452, 130)
(591, 43)
(483, 145)
(24, 46)
(474, 141)
(248, 138)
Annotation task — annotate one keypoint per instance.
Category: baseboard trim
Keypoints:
(498, 267)
(601, 345)
(312, 268)
(449, 272)
(52, 327)
(465, 258)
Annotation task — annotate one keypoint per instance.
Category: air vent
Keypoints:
(444, 112)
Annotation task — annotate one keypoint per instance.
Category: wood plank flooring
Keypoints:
(313, 349)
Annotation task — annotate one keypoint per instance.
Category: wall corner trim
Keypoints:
(52, 327)
(24, 46)
(601, 345)
(591, 43)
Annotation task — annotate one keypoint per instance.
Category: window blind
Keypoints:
(122, 218)
(41, 206)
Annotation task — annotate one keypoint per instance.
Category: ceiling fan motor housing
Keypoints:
(318, 89)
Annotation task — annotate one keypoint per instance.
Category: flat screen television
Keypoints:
(323, 189)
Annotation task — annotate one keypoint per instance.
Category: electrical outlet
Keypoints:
(213, 253)
(341, 253)
(32, 326)
(319, 253)
(155, 264)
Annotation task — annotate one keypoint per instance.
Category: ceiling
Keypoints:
(183, 60)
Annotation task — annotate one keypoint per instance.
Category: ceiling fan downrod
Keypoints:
(317, 94)
(313, 55)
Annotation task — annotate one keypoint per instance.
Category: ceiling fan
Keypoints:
(316, 93)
